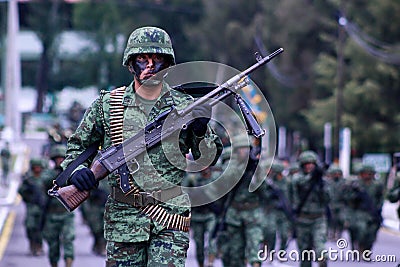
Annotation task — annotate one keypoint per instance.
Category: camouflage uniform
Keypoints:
(135, 239)
(203, 219)
(243, 217)
(311, 227)
(337, 205)
(275, 220)
(5, 163)
(365, 199)
(59, 228)
(393, 195)
(31, 191)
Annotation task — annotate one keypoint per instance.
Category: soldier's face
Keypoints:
(147, 65)
(308, 167)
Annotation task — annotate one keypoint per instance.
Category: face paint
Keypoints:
(148, 63)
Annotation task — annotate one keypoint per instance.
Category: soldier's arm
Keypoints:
(89, 131)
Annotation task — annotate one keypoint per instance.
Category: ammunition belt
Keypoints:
(245, 205)
(148, 202)
(117, 115)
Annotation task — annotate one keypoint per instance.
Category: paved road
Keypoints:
(15, 253)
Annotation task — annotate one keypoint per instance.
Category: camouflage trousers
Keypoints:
(200, 230)
(275, 223)
(33, 224)
(311, 239)
(59, 231)
(245, 237)
(165, 248)
(363, 230)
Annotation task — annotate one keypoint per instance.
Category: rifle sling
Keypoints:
(62, 178)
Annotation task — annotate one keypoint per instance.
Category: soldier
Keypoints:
(365, 198)
(203, 219)
(31, 191)
(5, 164)
(337, 205)
(310, 199)
(59, 228)
(142, 230)
(277, 209)
(243, 216)
(393, 195)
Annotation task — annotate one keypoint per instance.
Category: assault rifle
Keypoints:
(164, 126)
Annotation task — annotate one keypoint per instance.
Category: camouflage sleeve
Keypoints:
(89, 131)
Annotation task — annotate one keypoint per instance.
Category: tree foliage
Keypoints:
(224, 31)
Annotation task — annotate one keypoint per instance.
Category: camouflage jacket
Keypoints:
(124, 223)
(317, 200)
(393, 194)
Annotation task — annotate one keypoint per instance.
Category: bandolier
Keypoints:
(147, 202)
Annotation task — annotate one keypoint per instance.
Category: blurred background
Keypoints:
(335, 89)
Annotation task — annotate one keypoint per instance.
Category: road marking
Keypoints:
(6, 234)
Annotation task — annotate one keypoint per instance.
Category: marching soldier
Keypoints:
(59, 228)
(203, 219)
(393, 195)
(310, 200)
(243, 216)
(5, 163)
(365, 198)
(142, 230)
(32, 193)
(337, 205)
(277, 208)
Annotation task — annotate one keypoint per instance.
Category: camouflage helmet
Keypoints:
(148, 40)
(334, 169)
(240, 141)
(277, 166)
(36, 162)
(308, 157)
(226, 153)
(367, 168)
(58, 151)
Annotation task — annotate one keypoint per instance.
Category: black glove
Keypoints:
(83, 179)
(202, 115)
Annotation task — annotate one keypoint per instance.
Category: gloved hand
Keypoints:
(83, 179)
(202, 114)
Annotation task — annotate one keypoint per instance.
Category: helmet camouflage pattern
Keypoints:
(334, 169)
(277, 166)
(308, 157)
(367, 168)
(148, 40)
(58, 151)
(240, 141)
(36, 162)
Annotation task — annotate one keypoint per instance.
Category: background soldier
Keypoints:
(243, 217)
(59, 228)
(5, 164)
(393, 195)
(203, 218)
(310, 200)
(337, 205)
(365, 198)
(141, 230)
(276, 221)
(32, 193)
(93, 212)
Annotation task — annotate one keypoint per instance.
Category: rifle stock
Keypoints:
(71, 197)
